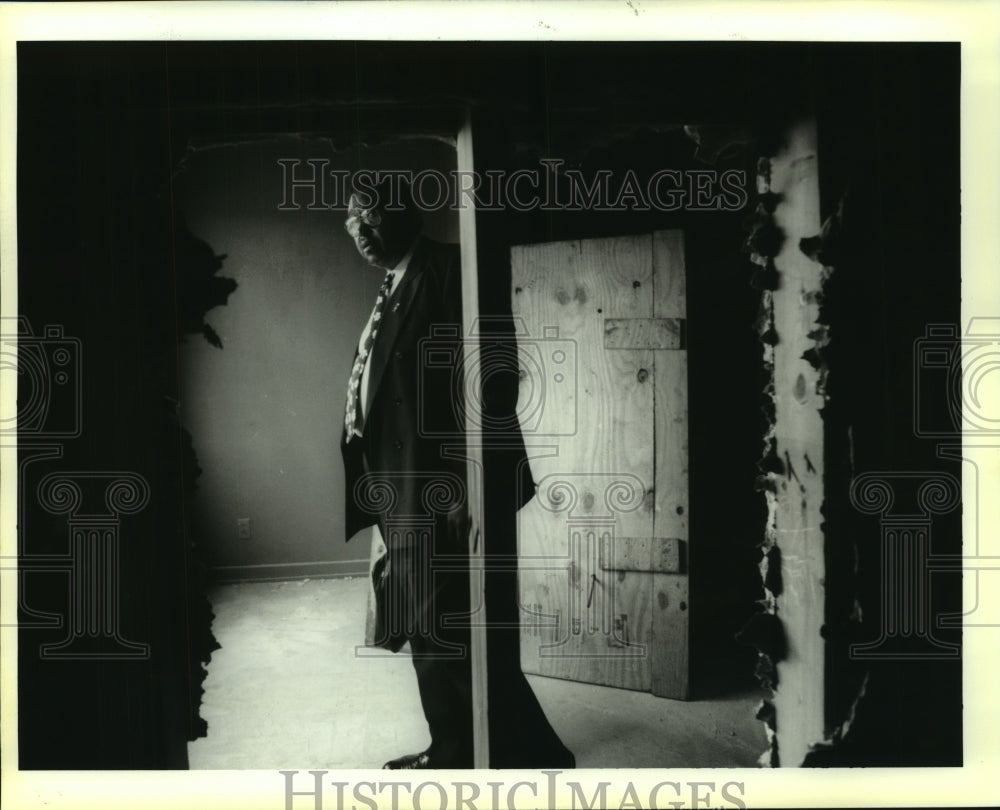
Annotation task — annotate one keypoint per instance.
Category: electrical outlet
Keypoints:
(243, 528)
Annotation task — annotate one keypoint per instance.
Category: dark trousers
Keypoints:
(425, 599)
(446, 696)
(434, 596)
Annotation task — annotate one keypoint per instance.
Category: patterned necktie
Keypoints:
(351, 412)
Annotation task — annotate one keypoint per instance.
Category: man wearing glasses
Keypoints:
(403, 450)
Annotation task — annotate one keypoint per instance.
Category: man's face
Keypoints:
(381, 237)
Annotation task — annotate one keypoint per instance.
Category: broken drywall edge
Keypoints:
(832, 250)
(768, 716)
(840, 732)
(763, 241)
(777, 469)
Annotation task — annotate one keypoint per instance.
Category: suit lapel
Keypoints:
(393, 317)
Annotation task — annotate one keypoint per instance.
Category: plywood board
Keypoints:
(582, 622)
(650, 554)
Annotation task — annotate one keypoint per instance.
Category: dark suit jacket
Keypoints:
(407, 472)
(413, 436)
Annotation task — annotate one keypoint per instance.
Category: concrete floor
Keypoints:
(292, 687)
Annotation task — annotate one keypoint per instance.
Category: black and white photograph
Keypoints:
(584, 421)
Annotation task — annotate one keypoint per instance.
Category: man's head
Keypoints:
(384, 230)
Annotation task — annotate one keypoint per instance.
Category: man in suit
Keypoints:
(405, 471)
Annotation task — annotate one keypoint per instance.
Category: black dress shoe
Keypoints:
(409, 762)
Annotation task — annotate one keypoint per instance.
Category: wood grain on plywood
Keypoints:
(585, 623)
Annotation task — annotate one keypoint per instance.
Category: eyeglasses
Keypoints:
(369, 217)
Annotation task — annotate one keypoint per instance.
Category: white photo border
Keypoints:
(973, 24)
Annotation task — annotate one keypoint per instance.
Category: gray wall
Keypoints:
(265, 412)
